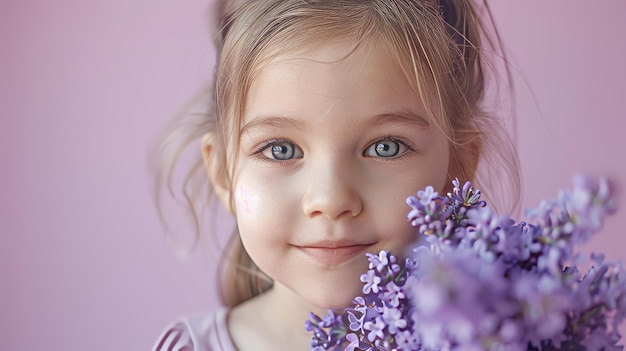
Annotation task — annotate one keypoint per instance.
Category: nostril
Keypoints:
(315, 214)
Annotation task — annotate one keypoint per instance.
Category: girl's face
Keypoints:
(330, 149)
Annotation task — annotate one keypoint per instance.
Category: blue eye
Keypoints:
(282, 151)
(385, 148)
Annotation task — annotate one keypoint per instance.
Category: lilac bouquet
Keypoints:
(480, 281)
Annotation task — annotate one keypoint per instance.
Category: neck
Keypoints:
(285, 295)
(289, 312)
(278, 314)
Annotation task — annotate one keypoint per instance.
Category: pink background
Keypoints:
(85, 88)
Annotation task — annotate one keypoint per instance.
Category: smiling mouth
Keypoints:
(334, 255)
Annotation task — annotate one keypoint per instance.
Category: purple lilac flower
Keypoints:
(375, 328)
(379, 261)
(356, 323)
(406, 341)
(481, 281)
(371, 282)
(446, 301)
(353, 340)
(393, 319)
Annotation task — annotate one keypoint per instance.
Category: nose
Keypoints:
(332, 192)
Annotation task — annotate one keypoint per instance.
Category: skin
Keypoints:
(308, 219)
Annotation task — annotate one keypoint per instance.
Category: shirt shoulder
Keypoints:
(208, 332)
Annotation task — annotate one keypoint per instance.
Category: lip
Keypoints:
(334, 253)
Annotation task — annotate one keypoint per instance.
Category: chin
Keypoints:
(334, 299)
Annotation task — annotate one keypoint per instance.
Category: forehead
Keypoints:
(336, 70)
(338, 58)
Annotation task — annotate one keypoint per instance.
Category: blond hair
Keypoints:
(440, 46)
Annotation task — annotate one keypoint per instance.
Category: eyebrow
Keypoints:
(400, 117)
(272, 123)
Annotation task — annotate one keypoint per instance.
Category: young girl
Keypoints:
(325, 116)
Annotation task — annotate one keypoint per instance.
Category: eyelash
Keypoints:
(257, 152)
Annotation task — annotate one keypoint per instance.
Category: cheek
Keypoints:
(246, 200)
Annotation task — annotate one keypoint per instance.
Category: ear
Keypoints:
(216, 170)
